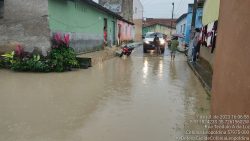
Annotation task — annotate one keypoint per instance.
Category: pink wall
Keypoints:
(126, 32)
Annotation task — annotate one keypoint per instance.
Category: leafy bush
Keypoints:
(8, 59)
(61, 58)
(34, 64)
(1, 63)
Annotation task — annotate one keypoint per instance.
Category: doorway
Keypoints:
(113, 33)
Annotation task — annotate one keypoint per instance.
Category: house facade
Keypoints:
(159, 25)
(131, 10)
(158, 28)
(32, 23)
(230, 91)
(210, 15)
(198, 20)
(125, 31)
(138, 19)
(181, 29)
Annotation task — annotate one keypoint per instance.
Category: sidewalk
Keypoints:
(100, 56)
(103, 55)
(203, 73)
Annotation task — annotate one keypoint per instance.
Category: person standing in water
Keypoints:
(157, 44)
(173, 47)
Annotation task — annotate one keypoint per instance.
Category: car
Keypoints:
(148, 42)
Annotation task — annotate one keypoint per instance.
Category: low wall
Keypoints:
(83, 42)
(25, 33)
(25, 22)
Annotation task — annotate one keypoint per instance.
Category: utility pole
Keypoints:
(194, 18)
(172, 19)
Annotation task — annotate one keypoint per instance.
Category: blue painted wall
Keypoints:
(198, 21)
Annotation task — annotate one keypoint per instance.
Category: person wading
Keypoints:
(173, 47)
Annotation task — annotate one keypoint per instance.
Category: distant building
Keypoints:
(159, 25)
(131, 10)
(181, 28)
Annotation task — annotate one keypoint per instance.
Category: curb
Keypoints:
(203, 82)
(103, 55)
(100, 56)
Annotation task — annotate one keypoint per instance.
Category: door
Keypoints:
(113, 33)
(105, 31)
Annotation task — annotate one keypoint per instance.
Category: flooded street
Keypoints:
(140, 98)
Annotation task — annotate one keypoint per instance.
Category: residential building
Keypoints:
(138, 19)
(131, 10)
(181, 28)
(33, 23)
(210, 15)
(122, 7)
(181, 24)
(198, 20)
(159, 25)
(231, 81)
(125, 31)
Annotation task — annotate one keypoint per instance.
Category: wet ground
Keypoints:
(141, 98)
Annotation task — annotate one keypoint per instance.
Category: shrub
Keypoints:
(8, 59)
(1, 63)
(61, 58)
(34, 64)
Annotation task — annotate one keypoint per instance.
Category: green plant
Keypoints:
(1, 63)
(62, 57)
(34, 64)
(9, 57)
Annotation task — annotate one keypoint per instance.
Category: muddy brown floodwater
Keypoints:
(140, 98)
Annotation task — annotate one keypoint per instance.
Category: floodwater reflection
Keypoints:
(139, 98)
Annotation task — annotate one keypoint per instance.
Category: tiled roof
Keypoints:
(164, 22)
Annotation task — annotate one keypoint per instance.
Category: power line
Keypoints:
(178, 7)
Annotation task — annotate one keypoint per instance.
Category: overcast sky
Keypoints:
(163, 8)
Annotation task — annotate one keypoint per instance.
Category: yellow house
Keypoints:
(210, 15)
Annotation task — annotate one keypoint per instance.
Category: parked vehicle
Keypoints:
(148, 42)
(126, 50)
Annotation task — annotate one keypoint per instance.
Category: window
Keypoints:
(135, 11)
(184, 28)
(1, 8)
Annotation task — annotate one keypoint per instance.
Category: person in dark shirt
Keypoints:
(157, 44)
